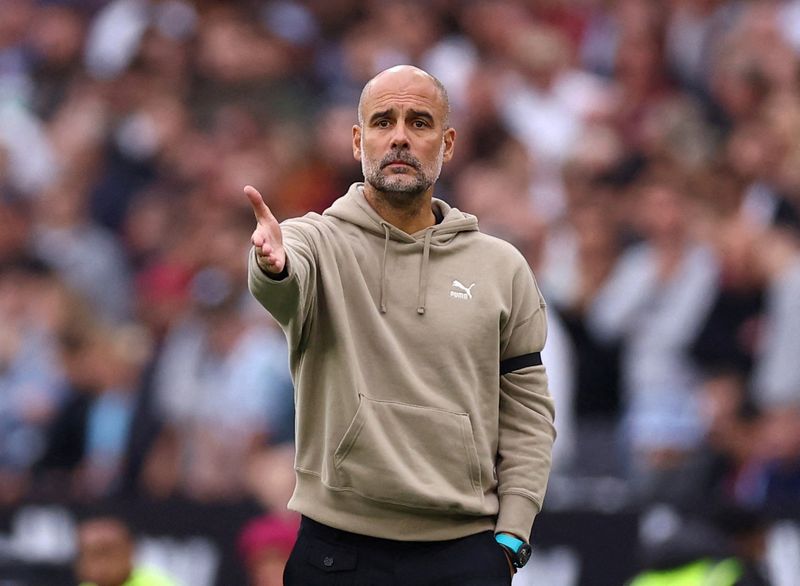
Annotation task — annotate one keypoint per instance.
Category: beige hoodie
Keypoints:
(405, 428)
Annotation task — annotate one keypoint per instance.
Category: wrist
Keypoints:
(514, 535)
(273, 275)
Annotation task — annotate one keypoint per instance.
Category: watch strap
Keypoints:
(509, 541)
(518, 550)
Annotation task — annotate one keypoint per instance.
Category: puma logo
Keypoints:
(464, 293)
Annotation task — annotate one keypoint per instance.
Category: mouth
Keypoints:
(399, 167)
(399, 162)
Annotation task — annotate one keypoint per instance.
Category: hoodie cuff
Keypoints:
(516, 515)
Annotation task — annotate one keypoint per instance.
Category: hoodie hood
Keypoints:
(355, 209)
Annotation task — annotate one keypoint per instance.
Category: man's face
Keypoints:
(105, 553)
(402, 142)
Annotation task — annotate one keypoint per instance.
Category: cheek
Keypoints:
(366, 148)
(435, 156)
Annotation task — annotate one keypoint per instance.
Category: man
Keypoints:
(728, 549)
(424, 424)
(105, 556)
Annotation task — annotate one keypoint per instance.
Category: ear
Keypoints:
(357, 142)
(449, 144)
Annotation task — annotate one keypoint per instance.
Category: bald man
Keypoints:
(424, 423)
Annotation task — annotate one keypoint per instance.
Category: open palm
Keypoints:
(267, 237)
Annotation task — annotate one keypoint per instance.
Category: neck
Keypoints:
(413, 215)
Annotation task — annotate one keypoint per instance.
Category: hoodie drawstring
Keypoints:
(423, 273)
(386, 232)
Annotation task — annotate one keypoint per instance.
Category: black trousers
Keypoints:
(324, 556)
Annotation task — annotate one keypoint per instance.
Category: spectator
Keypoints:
(777, 376)
(725, 550)
(730, 467)
(546, 103)
(655, 300)
(31, 373)
(264, 545)
(89, 258)
(88, 440)
(582, 257)
(781, 452)
(106, 556)
(222, 388)
(728, 338)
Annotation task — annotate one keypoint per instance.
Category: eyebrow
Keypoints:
(379, 115)
(425, 115)
(422, 114)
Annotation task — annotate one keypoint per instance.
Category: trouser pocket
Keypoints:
(476, 560)
(315, 562)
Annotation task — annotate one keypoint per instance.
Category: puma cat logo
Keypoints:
(464, 293)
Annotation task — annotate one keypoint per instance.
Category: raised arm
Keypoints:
(282, 269)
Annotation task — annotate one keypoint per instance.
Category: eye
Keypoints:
(419, 123)
(383, 123)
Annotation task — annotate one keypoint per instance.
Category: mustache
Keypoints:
(401, 157)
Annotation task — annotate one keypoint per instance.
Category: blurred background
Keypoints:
(643, 154)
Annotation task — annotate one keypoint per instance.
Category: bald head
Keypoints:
(399, 77)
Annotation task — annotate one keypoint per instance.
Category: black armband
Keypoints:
(519, 362)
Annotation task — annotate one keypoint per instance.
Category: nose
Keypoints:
(400, 137)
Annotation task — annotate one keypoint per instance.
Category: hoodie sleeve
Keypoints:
(290, 300)
(526, 430)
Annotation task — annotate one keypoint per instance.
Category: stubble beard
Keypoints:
(400, 193)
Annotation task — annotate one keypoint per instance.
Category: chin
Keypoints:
(409, 188)
(403, 189)
(407, 181)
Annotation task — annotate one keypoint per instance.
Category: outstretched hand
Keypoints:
(267, 237)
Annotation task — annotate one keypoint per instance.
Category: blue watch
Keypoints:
(518, 550)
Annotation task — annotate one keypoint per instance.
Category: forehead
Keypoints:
(101, 532)
(403, 90)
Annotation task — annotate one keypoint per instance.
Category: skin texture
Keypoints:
(105, 552)
(402, 141)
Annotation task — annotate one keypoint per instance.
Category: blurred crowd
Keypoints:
(643, 154)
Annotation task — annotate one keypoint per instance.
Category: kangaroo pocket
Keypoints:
(410, 455)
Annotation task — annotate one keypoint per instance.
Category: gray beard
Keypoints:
(398, 195)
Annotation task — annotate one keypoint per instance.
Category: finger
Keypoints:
(266, 262)
(260, 209)
(264, 253)
(258, 239)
